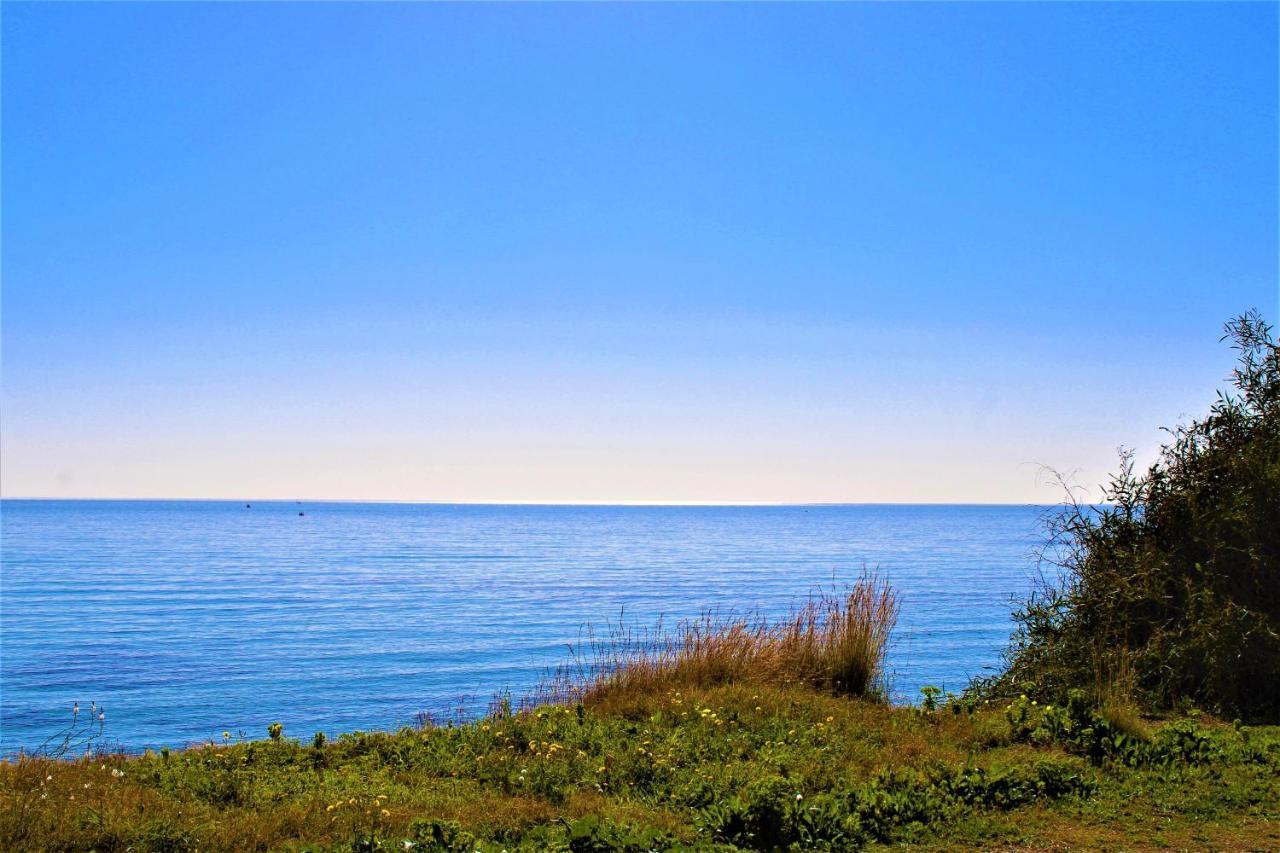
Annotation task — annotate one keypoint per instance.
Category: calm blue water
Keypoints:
(187, 618)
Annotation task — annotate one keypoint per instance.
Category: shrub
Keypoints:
(1176, 579)
(440, 836)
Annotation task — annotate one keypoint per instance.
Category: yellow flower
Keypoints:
(386, 813)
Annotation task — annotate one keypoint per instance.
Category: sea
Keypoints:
(182, 620)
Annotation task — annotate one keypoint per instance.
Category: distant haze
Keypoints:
(631, 253)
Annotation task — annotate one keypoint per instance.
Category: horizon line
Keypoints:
(606, 503)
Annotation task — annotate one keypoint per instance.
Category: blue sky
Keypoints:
(869, 252)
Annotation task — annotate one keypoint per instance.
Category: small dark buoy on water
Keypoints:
(302, 513)
(248, 506)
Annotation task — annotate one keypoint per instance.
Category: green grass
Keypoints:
(735, 766)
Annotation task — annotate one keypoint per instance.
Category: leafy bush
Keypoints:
(440, 836)
(1175, 581)
(1088, 731)
(592, 833)
(771, 815)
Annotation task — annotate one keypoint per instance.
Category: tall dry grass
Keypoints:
(834, 643)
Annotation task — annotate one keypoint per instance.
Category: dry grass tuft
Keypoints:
(1114, 691)
(834, 643)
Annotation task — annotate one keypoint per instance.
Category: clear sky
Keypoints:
(622, 252)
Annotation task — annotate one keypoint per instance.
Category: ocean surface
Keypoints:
(184, 619)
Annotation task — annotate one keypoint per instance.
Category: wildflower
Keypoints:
(831, 719)
(758, 708)
(117, 772)
(386, 813)
(329, 808)
(799, 797)
(226, 735)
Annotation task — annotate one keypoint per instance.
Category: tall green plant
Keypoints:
(1175, 581)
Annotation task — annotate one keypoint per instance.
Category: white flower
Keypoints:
(117, 772)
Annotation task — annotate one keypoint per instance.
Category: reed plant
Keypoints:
(835, 643)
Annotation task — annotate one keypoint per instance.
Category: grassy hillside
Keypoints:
(721, 768)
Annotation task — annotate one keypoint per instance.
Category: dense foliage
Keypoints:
(736, 767)
(1170, 593)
